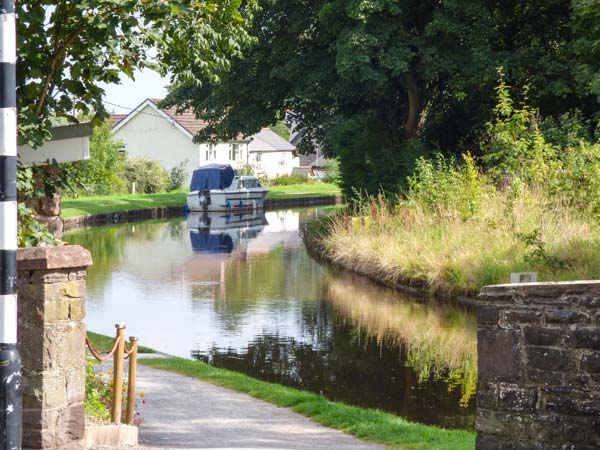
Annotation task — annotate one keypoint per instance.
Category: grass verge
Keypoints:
(411, 243)
(113, 203)
(105, 343)
(368, 424)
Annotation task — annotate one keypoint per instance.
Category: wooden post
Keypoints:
(131, 380)
(118, 374)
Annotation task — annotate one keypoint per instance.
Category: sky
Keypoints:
(129, 94)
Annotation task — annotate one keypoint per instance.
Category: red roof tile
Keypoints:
(187, 119)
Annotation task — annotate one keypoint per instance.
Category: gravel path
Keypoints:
(186, 413)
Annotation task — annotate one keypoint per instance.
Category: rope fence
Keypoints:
(120, 352)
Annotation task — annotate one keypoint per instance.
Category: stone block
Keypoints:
(584, 338)
(566, 316)
(77, 309)
(589, 301)
(548, 358)
(487, 314)
(514, 318)
(499, 355)
(513, 398)
(590, 362)
(71, 423)
(75, 385)
(546, 378)
(568, 404)
(535, 335)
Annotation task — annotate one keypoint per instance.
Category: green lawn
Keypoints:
(368, 424)
(105, 343)
(303, 190)
(113, 203)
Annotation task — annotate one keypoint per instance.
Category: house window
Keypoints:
(211, 152)
(234, 152)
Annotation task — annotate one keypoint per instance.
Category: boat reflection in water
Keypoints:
(222, 232)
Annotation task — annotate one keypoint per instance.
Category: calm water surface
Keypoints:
(246, 296)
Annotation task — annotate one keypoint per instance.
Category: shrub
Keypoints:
(149, 177)
(178, 176)
(102, 174)
(286, 180)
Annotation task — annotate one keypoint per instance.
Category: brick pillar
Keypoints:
(51, 334)
(539, 366)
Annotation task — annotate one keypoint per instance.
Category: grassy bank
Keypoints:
(367, 424)
(455, 236)
(113, 203)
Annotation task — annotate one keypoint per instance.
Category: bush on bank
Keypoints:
(528, 205)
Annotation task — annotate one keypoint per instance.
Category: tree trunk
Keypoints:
(414, 103)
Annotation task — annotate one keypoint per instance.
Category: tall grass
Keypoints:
(457, 249)
(535, 208)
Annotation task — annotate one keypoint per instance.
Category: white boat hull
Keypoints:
(226, 200)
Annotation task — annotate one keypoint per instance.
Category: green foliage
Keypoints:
(359, 78)
(102, 174)
(246, 169)
(178, 176)
(68, 48)
(537, 254)
(447, 188)
(287, 180)
(519, 147)
(281, 129)
(149, 176)
(30, 232)
(98, 393)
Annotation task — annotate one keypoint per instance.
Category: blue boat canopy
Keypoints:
(212, 176)
(203, 241)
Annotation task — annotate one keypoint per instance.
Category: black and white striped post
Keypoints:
(10, 362)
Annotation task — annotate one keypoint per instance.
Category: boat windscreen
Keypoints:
(213, 176)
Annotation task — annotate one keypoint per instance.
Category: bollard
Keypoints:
(118, 373)
(131, 380)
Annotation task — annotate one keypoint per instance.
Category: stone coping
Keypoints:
(549, 287)
(53, 257)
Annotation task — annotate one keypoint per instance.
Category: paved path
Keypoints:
(186, 413)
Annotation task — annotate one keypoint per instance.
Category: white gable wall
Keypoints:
(151, 135)
(273, 164)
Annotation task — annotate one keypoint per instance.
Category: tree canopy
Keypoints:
(380, 81)
(67, 47)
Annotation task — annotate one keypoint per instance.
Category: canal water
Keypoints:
(241, 292)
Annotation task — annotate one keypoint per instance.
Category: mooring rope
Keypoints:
(97, 354)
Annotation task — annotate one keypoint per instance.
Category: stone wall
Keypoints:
(51, 341)
(539, 366)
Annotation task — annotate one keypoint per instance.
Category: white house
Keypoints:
(271, 155)
(167, 137)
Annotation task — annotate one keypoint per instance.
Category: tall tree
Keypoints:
(378, 81)
(67, 47)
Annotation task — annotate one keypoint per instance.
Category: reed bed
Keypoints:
(409, 242)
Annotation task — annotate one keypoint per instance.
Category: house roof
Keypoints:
(185, 121)
(311, 160)
(266, 140)
(116, 118)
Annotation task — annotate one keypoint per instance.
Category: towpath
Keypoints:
(186, 413)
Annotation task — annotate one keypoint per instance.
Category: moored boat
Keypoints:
(218, 187)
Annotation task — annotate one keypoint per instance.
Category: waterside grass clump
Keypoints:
(368, 424)
(531, 203)
(449, 255)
